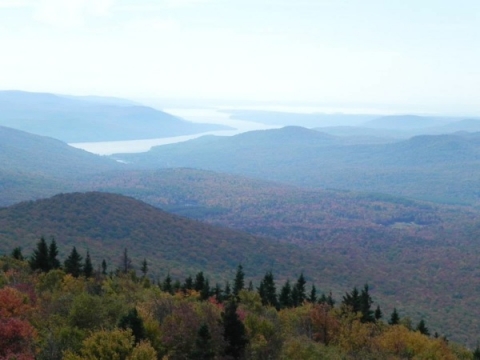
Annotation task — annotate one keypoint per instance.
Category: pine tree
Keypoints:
(73, 263)
(366, 305)
(54, 263)
(378, 313)
(313, 295)
(104, 267)
(126, 264)
(394, 318)
(352, 300)
(422, 328)
(188, 284)
(298, 291)
(144, 267)
(203, 345)
(239, 283)
(234, 332)
(227, 293)
(134, 322)
(167, 284)
(268, 291)
(39, 259)
(285, 298)
(88, 267)
(205, 292)
(17, 253)
(199, 282)
(476, 353)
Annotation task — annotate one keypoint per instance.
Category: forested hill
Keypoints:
(108, 223)
(443, 168)
(88, 119)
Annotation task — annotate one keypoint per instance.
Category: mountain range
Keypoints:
(90, 119)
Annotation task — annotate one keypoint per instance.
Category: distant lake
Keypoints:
(210, 116)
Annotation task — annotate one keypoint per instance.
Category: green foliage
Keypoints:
(73, 264)
(88, 267)
(233, 332)
(40, 257)
(133, 322)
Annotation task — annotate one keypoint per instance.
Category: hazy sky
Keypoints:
(418, 53)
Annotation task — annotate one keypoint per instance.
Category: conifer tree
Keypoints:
(104, 267)
(167, 284)
(40, 259)
(352, 300)
(88, 267)
(73, 263)
(199, 282)
(422, 328)
(268, 291)
(299, 292)
(313, 295)
(126, 264)
(234, 332)
(144, 267)
(378, 313)
(134, 322)
(250, 286)
(366, 305)
(54, 263)
(205, 292)
(285, 298)
(227, 293)
(476, 353)
(239, 283)
(203, 345)
(188, 284)
(17, 254)
(394, 318)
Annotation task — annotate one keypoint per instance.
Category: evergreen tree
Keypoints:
(250, 286)
(203, 345)
(104, 267)
(239, 283)
(88, 267)
(313, 295)
(227, 293)
(422, 328)
(199, 282)
(234, 332)
(205, 292)
(167, 284)
(39, 259)
(352, 300)
(217, 292)
(285, 298)
(476, 353)
(268, 291)
(144, 267)
(73, 263)
(299, 292)
(378, 313)
(394, 318)
(17, 253)
(126, 264)
(188, 284)
(366, 305)
(134, 322)
(54, 263)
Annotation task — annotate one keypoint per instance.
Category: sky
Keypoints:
(417, 55)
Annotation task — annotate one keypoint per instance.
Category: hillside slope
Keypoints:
(90, 119)
(444, 168)
(107, 223)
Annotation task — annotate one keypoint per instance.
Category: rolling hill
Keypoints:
(107, 223)
(90, 119)
(442, 168)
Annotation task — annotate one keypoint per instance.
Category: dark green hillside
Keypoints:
(107, 223)
(88, 119)
(411, 252)
(443, 168)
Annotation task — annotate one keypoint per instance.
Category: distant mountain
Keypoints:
(443, 168)
(89, 119)
(33, 166)
(405, 122)
(108, 223)
(309, 120)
